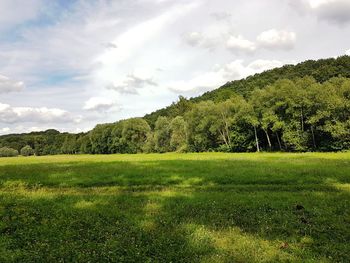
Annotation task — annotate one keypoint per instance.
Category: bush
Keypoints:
(8, 152)
(27, 151)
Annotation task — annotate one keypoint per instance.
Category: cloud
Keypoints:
(16, 12)
(67, 52)
(221, 16)
(98, 104)
(220, 75)
(66, 45)
(109, 45)
(5, 130)
(270, 39)
(261, 65)
(132, 83)
(7, 85)
(17, 129)
(274, 38)
(9, 114)
(193, 38)
(239, 43)
(347, 52)
(333, 11)
(197, 39)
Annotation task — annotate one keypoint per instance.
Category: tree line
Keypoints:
(288, 115)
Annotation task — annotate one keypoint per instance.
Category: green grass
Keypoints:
(209, 207)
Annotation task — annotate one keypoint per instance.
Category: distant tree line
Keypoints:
(295, 114)
(299, 115)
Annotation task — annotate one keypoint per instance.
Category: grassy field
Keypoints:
(209, 207)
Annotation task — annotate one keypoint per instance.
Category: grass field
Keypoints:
(209, 207)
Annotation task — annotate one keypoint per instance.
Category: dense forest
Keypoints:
(303, 107)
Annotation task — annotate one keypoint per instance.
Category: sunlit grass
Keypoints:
(210, 207)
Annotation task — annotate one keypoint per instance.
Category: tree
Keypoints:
(249, 116)
(178, 139)
(162, 135)
(8, 152)
(84, 144)
(202, 133)
(70, 145)
(134, 134)
(100, 138)
(229, 124)
(27, 151)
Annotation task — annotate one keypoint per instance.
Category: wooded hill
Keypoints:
(321, 70)
(303, 107)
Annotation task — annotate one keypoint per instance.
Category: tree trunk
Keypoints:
(268, 138)
(313, 136)
(224, 137)
(226, 129)
(227, 134)
(302, 119)
(256, 140)
(279, 141)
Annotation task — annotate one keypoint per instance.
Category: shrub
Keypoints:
(8, 152)
(27, 151)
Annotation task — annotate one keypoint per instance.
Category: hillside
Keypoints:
(321, 70)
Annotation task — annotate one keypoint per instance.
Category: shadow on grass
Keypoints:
(175, 211)
(180, 173)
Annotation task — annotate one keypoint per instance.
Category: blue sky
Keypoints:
(70, 64)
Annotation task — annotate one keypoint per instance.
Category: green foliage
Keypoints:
(202, 133)
(8, 152)
(162, 135)
(134, 135)
(43, 143)
(178, 138)
(100, 138)
(27, 151)
(178, 108)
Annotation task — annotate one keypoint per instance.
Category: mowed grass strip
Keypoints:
(209, 207)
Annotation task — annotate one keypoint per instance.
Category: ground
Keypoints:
(209, 207)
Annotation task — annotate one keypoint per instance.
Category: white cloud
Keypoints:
(7, 85)
(200, 83)
(9, 114)
(197, 39)
(132, 83)
(109, 45)
(193, 38)
(5, 130)
(261, 65)
(24, 11)
(221, 16)
(239, 43)
(334, 11)
(274, 38)
(135, 37)
(347, 52)
(98, 104)
(270, 39)
(70, 54)
(69, 46)
(220, 75)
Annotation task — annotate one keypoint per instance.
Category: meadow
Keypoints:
(207, 207)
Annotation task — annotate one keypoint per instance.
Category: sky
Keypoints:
(71, 64)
